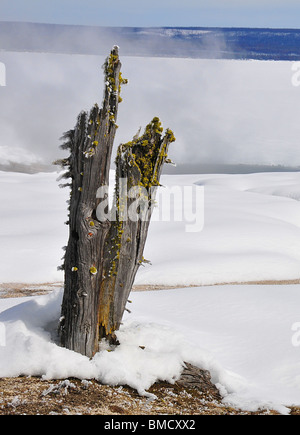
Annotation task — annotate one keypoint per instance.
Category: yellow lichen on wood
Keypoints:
(148, 152)
(93, 270)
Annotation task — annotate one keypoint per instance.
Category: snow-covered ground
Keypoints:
(251, 230)
(251, 233)
(246, 335)
(32, 231)
(242, 334)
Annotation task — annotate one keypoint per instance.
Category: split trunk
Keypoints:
(106, 243)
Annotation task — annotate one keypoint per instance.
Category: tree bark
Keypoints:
(105, 250)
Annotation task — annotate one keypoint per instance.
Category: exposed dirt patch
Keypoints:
(15, 290)
(34, 396)
(149, 287)
(18, 290)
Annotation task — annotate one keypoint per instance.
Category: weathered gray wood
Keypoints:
(91, 144)
(103, 255)
(193, 377)
(140, 163)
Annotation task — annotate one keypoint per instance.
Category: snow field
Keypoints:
(251, 231)
(244, 334)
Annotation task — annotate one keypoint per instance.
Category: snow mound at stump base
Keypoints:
(148, 353)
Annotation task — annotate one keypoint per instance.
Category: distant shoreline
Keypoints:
(173, 42)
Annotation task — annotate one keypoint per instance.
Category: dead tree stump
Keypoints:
(106, 244)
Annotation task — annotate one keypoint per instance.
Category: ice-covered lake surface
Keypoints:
(246, 335)
(196, 42)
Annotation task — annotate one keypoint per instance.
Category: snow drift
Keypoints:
(241, 334)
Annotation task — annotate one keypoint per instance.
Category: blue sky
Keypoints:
(226, 13)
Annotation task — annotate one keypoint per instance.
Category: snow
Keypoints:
(30, 350)
(251, 230)
(32, 232)
(242, 334)
(246, 329)
(246, 335)
(251, 233)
